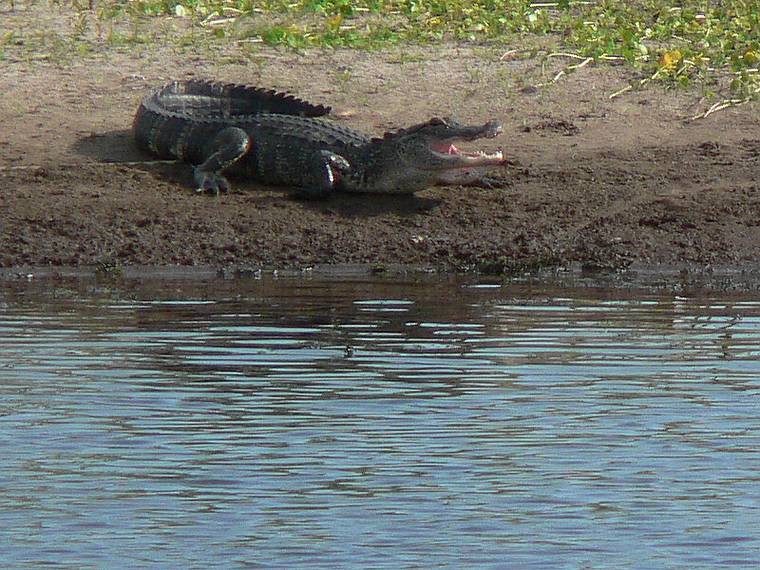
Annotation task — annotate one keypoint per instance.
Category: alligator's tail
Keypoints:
(203, 98)
(166, 112)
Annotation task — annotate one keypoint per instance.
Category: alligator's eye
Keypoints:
(451, 122)
(437, 121)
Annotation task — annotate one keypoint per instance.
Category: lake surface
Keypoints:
(307, 423)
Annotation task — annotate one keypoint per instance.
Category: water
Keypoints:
(308, 424)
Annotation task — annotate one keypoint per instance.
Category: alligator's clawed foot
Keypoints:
(210, 182)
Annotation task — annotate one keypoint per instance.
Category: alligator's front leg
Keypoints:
(226, 148)
(328, 168)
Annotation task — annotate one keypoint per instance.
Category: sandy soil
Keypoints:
(595, 181)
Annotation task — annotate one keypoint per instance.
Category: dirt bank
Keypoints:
(596, 181)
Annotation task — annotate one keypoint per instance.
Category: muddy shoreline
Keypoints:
(638, 278)
(594, 183)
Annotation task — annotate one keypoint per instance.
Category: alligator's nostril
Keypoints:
(493, 127)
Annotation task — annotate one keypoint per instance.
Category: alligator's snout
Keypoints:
(447, 155)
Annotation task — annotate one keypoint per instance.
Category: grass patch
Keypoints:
(678, 43)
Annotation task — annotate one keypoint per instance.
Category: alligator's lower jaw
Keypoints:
(472, 171)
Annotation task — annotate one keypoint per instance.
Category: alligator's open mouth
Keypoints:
(446, 150)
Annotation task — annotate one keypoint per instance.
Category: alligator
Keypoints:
(279, 139)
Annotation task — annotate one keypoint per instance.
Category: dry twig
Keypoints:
(569, 68)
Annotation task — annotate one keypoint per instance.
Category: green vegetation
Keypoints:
(679, 42)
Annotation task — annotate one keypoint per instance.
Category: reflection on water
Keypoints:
(299, 423)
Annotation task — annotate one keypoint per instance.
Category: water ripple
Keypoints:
(306, 424)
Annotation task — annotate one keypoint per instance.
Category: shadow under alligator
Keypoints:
(118, 146)
(112, 146)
